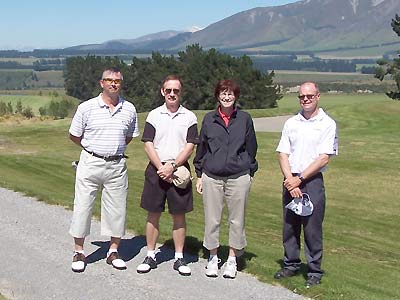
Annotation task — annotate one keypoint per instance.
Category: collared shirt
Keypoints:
(224, 117)
(304, 140)
(170, 132)
(104, 132)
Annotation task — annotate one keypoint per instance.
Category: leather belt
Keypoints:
(106, 158)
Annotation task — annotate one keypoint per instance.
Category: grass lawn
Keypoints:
(361, 258)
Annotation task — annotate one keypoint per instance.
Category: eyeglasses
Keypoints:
(310, 97)
(169, 91)
(110, 80)
(225, 94)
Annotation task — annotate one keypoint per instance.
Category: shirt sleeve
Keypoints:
(284, 143)
(329, 141)
(149, 132)
(192, 135)
(133, 128)
(77, 124)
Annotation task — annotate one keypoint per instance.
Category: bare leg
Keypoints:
(152, 230)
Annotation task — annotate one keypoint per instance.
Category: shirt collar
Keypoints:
(321, 114)
(103, 104)
(164, 110)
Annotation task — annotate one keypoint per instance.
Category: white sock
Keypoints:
(213, 257)
(111, 251)
(232, 259)
(151, 253)
(178, 255)
(79, 251)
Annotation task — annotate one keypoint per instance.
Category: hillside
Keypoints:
(308, 25)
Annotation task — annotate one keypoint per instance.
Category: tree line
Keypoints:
(200, 70)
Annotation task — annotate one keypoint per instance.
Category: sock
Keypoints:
(215, 257)
(232, 259)
(151, 253)
(111, 251)
(80, 251)
(178, 255)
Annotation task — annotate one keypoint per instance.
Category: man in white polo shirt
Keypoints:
(307, 142)
(169, 137)
(103, 127)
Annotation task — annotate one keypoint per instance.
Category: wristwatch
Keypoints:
(302, 179)
(174, 165)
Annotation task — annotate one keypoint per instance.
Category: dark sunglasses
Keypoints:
(310, 97)
(110, 80)
(169, 91)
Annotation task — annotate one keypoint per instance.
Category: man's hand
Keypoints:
(292, 182)
(165, 172)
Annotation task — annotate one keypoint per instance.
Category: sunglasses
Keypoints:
(110, 80)
(310, 97)
(169, 91)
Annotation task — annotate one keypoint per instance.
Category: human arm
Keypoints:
(251, 146)
(76, 139)
(291, 182)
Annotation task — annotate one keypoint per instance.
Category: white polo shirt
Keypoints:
(304, 140)
(104, 132)
(170, 132)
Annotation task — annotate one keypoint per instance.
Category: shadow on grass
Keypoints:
(127, 250)
(302, 270)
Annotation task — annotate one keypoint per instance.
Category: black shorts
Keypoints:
(156, 191)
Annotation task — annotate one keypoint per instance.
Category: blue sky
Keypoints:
(28, 24)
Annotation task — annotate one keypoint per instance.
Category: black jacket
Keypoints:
(226, 151)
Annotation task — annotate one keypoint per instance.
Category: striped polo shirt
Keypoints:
(104, 132)
(170, 132)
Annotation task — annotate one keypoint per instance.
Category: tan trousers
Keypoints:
(217, 191)
(93, 174)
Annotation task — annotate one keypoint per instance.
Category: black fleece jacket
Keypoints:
(226, 151)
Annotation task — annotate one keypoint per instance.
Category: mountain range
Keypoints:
(307, 25)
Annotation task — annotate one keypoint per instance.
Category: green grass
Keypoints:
(361, 258)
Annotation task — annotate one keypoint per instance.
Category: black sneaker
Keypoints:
(148, 264)
(284, 273)
(180, 265)
(312, 280)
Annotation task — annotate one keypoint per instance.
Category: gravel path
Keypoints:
(36, 253)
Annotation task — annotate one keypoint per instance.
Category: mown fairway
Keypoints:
(361, 258)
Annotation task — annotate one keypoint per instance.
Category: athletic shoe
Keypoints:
(78, 262)
(148, 264)
(180, 265)
(230, 269)
(114, 260)
(212, 267)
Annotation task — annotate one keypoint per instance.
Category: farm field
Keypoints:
(361, 257)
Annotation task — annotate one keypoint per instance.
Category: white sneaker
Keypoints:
(230, 269)
(78, 262)
(212, 267)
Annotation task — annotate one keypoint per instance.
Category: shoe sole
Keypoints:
(78, 270)
(228, 277)
(212, 275)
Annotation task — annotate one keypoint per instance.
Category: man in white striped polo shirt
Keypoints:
(103, 126)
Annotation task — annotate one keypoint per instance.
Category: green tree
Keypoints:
(200, 70)
(391, 68)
